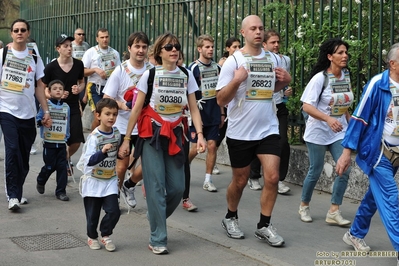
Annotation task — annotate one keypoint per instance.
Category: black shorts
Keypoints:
(242, 152)
(210, 133)
(75, 129)
(132, 142)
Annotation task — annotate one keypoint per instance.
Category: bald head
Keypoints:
(248, 20)
(253, 32)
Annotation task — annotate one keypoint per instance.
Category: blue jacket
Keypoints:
(366, 125)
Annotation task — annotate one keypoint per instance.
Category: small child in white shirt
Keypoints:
(99, 182)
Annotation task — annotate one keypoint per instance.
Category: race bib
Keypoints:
(209, 78)
(260, 81)
(15, 73)
(170, 93)
(57, 132)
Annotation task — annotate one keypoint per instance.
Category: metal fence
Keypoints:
(369, 27)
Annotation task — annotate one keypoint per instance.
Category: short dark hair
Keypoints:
(269, 33)
(137, 37)
(106, 102)
(20, 20)
(56, 81)
(101, 30)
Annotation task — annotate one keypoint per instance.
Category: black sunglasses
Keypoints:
(19, 30)
(81, 34)
(169, 47)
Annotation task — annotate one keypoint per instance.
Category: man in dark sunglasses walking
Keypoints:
(18, 109)
(79, 47)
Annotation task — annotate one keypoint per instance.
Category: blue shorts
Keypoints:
(210, 133)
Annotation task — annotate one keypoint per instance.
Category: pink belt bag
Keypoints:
(392, 153)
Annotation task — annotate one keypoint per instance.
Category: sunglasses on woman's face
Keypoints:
(19, 30)
(169, 47)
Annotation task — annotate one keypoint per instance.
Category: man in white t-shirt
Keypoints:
(99, 62)
(18, 109)
(246, 83)
(120, 87)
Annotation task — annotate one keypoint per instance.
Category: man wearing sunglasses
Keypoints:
(17, 107)
(206, 73)
(79, 47)
(99, 62)
(247, 82)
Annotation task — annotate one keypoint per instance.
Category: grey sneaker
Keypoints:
(357, 243)
(336, 218)
(282, 188)
(254, 184)
(128, 195)
(232, 228)
(270, 235)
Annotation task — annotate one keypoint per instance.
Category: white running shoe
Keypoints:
(304, 211)
(254, 184)
(282, 188)
(209, 186)
(357, 243)
(13, 204)
(215, 170)
(336, 218)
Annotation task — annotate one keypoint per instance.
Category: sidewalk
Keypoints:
(193, 238)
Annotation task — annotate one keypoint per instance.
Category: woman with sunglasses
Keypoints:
(159, 117)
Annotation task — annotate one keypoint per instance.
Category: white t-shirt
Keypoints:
(318, 132)
(252, 120)
(118, 83)
(92, 59)
(22, 105)
(79, 50)
(91, 186)
(191, 86)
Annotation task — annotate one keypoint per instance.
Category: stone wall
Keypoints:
(357, 184)
(299, 163)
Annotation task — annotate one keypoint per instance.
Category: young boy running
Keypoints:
(100, 183)
(54, 141)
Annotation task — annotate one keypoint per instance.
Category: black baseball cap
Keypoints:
(62, 38)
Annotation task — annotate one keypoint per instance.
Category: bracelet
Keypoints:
(46, 112)
(200, 133)
(223, 115)
(127, 138)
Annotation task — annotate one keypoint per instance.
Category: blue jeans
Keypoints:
(316, 161)
(164, 185)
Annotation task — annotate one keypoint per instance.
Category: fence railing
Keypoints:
(369, 27)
